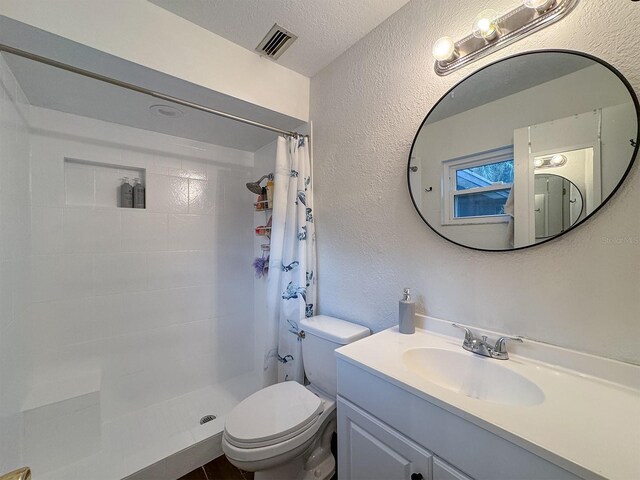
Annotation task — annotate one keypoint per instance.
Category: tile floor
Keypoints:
(219, 469)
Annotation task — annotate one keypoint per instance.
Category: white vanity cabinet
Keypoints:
(444, 471)
(371, 450)
(388, 433)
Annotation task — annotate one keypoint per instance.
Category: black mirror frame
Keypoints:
(635, 143)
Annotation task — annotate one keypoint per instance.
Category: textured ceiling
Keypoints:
(325, 28)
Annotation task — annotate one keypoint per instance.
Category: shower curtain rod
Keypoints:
(146, 91)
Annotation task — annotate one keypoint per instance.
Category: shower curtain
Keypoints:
(291, 284)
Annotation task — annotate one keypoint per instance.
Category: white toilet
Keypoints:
(283, 432)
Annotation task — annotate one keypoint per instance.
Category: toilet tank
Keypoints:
(323, 335)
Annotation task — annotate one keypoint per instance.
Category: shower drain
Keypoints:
(207, 418)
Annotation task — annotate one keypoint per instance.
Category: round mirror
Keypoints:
(524, 150)
(558, 204)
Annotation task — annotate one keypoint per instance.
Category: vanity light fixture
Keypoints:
(540, 6)
(492, 31)
(538, 162)
(558, 160)
(486, 25)
(445, 49)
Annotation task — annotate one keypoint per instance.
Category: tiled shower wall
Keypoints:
(14, 263)
(156, 299)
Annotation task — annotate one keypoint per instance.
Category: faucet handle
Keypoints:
(501, 343)
(468, 335)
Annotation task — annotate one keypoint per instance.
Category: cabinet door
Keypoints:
(371, 450)
(444, 471)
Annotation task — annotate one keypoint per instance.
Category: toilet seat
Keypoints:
(273, 415)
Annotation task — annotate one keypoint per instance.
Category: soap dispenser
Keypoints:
(407, 313)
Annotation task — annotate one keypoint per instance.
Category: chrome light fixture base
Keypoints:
(514, 25)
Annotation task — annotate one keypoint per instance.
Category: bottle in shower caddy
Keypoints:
(138, 194)
(126, 193)
(269, 197)
(260, 204)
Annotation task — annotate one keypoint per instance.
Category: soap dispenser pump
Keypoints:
(407, 313)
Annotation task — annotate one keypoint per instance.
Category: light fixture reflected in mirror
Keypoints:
(444, 50)
(550, 161)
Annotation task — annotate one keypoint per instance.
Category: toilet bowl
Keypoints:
(277, 443)
(284, 431)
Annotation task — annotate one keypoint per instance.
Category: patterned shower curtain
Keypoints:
(291, 285)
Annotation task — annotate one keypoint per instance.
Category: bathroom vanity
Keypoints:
(420, 407)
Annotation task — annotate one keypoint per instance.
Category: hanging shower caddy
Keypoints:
(264, 204)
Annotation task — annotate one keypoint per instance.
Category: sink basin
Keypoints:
(472, 375)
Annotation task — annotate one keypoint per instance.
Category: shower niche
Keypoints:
(97, 184)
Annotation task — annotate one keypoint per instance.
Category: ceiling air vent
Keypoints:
(275, 42)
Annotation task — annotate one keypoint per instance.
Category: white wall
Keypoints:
(143, 33)
(14, 264)
(367, 106)
(156, 299)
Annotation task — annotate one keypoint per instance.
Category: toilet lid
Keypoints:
(272, 413)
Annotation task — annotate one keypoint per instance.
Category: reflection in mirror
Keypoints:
(491, 161)
(558, 204)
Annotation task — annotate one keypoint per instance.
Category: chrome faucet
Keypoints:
(481, 346)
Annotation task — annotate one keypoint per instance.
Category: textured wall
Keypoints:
(580, 291)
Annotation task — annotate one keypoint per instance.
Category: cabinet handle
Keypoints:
(416, 476)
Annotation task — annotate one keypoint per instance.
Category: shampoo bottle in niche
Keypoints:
(407, 317)
(126, 193)
(138, 194)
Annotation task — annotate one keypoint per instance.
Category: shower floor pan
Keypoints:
(162, 441)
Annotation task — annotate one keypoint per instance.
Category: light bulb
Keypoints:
(538, 162)
(540, 6)
(444, 49)
(485, 25)
(558, 160)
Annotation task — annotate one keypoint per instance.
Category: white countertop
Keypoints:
(584, 423)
